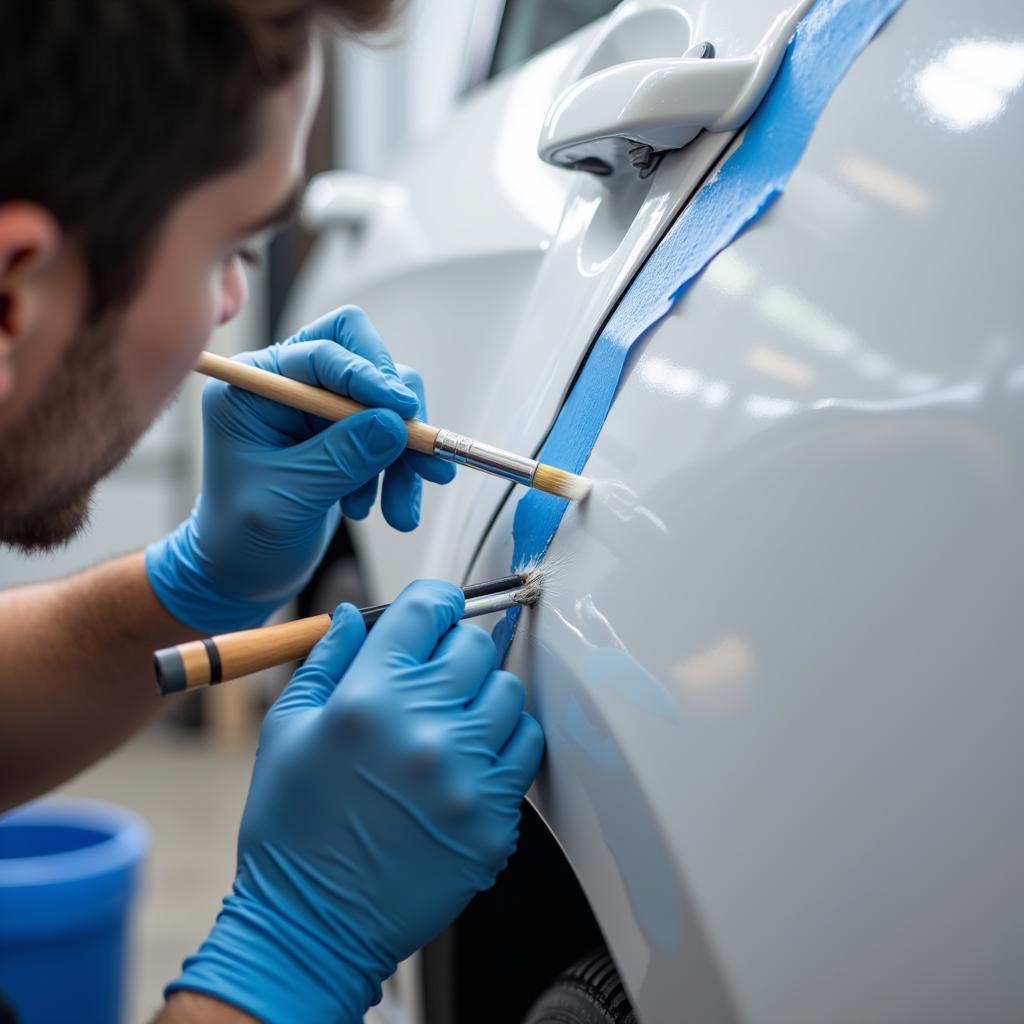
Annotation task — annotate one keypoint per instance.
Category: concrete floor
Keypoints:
(191, 793)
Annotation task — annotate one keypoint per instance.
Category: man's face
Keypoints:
(74, 399)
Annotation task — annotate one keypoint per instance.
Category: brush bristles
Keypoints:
(529, 593)
(560, 483)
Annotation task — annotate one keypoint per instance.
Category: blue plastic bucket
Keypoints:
(69, 870)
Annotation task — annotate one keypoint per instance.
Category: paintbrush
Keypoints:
(422, 437)
(199, 663)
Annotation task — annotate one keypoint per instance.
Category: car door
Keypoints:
(778, 668)
(491, 270)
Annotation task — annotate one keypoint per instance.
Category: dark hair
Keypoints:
(111, 110)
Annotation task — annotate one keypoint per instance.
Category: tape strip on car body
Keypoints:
(825, 44)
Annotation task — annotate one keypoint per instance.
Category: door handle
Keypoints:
(627, 116)
(346, 199)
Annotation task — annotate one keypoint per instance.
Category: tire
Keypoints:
(589, 992)
(7, 1014)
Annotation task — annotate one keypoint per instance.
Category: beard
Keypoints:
(78, 430)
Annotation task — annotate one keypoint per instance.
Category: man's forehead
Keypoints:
(294, 104)
(267, 190)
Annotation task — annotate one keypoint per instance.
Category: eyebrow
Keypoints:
(282, 214)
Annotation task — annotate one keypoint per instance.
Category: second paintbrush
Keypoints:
(217, 659)
(445, 444)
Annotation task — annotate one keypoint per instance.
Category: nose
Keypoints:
(234, 291)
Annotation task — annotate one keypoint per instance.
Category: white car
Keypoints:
(779, 655)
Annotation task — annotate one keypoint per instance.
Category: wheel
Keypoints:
(589, 992)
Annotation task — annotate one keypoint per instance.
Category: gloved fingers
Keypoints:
(401, 495)
(431, 468)
(497, 709)
(330, 365)
(351, 327)
(435, 470)
(251, 419)
(520, 758)
(313, 684)
(415, 623)
(357, 505)
(342, 459)
(464, 659)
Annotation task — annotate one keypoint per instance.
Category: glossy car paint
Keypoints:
(777, 661)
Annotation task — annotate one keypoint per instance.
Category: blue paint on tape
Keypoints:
(825, 44)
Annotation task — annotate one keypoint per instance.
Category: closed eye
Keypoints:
(251, 257)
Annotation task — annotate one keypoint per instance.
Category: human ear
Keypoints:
(29, 239)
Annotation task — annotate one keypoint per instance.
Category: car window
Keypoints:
(529, 26)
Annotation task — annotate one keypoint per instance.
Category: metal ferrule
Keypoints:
(493, 603)
(466, 452)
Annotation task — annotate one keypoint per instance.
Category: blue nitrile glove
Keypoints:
(385, 794)
(273, 477)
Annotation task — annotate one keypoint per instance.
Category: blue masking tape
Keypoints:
(825, 44)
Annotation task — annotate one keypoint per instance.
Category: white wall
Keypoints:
(397, 92)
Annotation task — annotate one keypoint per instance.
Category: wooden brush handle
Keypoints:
(231, 655)
(317, 401)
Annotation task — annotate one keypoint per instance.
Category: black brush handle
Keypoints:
(372, 614)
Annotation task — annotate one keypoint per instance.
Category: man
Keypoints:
(147, 146)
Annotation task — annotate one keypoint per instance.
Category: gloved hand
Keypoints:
(273, 477)
(385, 794)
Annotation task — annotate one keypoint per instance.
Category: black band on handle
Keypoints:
(216, 669)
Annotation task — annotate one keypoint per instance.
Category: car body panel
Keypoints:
(778, 659)
(778, 663)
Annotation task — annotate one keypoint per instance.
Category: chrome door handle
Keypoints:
(625, 116)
